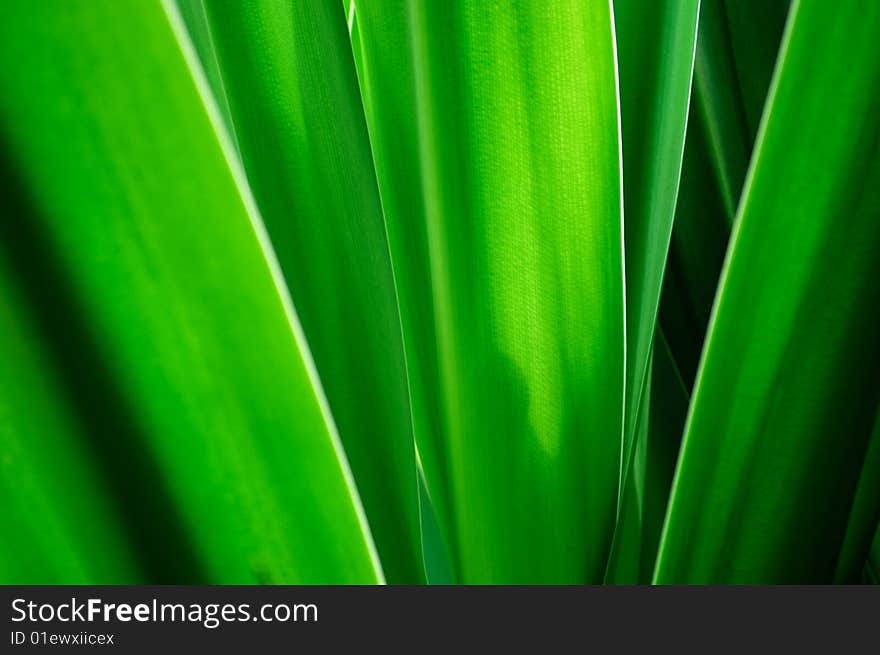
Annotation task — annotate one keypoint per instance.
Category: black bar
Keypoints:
(544, 619)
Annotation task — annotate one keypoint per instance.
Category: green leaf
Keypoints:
(736, 49)
(626, 546)
(656, 43)
(660, 427)
(753, 30)
(49, 532)
(196, 20)
(495, 132)
(288, 72)
(206, 416)
(437, 567)
(696, 253)
(668, 409)
(786, 394)
(385, 67)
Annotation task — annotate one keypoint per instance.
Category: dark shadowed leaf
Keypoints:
(787, 390)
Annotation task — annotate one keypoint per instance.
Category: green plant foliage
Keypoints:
(669, 403)
(137, 249)
(736, 50)
(656, 43)
(788, 386)
(303, 141)
(527, 334)
(581, 291)
(50, 530)
(385, 66)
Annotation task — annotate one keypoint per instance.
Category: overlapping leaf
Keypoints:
(288, 74)
(495, 134)
(736, 50)
(161, 318)
(443, 186)
(788, 387)
(656, 43)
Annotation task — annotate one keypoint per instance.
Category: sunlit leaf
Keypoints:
(495, 132)
(134, 234)
(304, 145)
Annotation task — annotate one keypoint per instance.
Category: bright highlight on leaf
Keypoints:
(439, 292)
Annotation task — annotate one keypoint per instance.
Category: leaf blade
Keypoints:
(290, 79)
(482, 242)
(755, 424)
(130, 183)
(657, 43)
